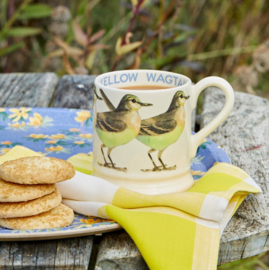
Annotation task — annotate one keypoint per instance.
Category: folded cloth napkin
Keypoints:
(173, 231)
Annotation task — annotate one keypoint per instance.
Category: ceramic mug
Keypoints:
(142, 138)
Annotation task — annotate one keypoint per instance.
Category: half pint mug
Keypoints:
(142, 128)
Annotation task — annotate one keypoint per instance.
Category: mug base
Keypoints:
(177, 184)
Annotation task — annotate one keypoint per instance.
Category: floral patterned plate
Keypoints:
(63, 133)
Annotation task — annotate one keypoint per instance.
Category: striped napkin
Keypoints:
(173, 231)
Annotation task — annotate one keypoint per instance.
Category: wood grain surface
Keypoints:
(73, 253)
(244, 137)
(118, 251)
(27, 89)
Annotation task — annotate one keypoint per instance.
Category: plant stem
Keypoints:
(128, 30)
(132, 21)
(218, 53)
(114, 30)
(167, 13)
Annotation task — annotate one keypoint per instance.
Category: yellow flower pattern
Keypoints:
(17, 125)
(38, 136)
(51, 142)
(79, 142)
(36, 120)
(6, 142)
(83, 117)
(58, 136)
(87, 136)
(19, 114)
(94, 220)
(54, 148)
(4, 151)
(197, 172)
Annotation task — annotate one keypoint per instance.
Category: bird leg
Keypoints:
(113, 164)
(164, 166)
(156, 168)
(106, 163)
(103, 146)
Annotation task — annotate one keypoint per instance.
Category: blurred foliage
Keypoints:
(196, 38)
(24, 12)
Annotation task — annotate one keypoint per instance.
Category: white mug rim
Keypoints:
(98, 79)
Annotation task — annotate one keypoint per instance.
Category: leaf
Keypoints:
(120, 50)
(80, 36)
(67, 65)
(134, 2)
(90, 60)
(9, 49)
(185, 27)
(96, 36)
(23, 31)
(17, 143)
(63, 143)
(98, 46)
(183, 36)
(56, 53)
(35, 11)
(87, 122)
(3, 115)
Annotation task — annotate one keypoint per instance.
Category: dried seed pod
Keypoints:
(246, 78)
(261, 57)
(61, 14)
(50, 46)
(58, 29)
(246, 75)
(81, 70)
(53, 64)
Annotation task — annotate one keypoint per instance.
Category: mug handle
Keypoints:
(198, 138)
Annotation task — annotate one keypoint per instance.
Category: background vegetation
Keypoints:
(197, 38)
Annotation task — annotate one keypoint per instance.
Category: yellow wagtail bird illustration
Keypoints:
(119, 126)
(163, 130)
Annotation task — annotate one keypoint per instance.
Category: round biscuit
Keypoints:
(36, 170)
(60, 216)
(11, 192)
(30, 208)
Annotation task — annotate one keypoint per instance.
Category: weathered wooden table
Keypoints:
(244, 136)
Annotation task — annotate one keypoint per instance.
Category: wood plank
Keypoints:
(244, 136)
(75, 91)
(27, 89)
(118, 251)
(72, 253)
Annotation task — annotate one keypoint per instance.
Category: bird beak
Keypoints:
(186, 97)
(144, 104)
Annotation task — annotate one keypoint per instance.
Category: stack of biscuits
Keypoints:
(28, 196)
